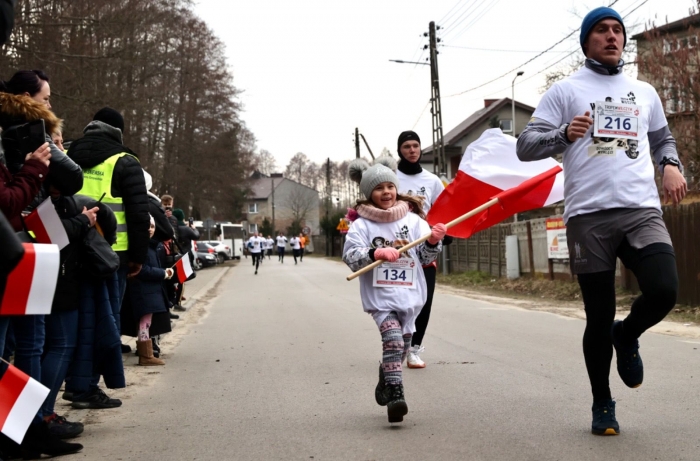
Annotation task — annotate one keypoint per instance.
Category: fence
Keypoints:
(485, 251)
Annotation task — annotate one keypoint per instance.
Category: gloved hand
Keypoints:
(387, 254)
(437, 233)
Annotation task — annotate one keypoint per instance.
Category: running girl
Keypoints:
(394, 292)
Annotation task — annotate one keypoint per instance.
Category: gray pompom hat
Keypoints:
(369, 177)
(374, 176)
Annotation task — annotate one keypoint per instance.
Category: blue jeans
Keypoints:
(29, 336)
(29, 343)
(8, 341)
(116, 300)
(4, 324)
(61, 340)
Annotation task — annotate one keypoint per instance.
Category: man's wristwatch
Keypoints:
(562, 130)
(671, 161)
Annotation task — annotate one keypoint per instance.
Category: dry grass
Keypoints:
(553, 290)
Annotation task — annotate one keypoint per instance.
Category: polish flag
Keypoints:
(46, 225)
(184, 269)
(20, 399)
(31, 285)
(489, 169)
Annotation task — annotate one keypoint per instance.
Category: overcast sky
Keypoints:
(313, 70)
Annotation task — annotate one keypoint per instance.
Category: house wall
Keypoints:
(287, 195)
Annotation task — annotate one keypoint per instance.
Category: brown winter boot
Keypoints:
(145, 350)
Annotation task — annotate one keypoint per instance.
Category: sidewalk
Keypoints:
(197, 292)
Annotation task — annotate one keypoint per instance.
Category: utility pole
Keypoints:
(439, 166)
(329, 231)
(272, 185)
(359, 135)
(436, 107)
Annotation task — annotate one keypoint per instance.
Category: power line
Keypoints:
(421, 115)
(499, 50)
(571, 52)
(441, 21)
(481, 15)
(526, 62)
(458, 19)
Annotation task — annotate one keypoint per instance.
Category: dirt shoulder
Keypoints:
(559, 298)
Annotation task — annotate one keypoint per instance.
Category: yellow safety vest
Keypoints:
(97, 181)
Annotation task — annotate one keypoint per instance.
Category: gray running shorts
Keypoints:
(594, 238)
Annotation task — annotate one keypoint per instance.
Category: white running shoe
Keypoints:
(413, 359)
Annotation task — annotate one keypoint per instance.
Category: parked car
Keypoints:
(223, 251)
(205, 255)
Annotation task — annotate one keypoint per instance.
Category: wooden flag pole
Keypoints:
(403, 249)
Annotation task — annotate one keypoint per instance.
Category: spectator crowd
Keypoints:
(117, 274)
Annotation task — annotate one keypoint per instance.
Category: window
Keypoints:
(252, 208)
(252, 228)
(506, 126)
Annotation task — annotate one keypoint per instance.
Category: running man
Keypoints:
(255, 247)
(415, 181)
(612, 203)
(302, 244)
(269, 243)
(281, 244)
(295, 242)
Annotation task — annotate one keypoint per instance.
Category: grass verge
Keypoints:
(556, 290)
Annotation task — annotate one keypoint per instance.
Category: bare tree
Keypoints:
(164, 70)
(265, 162)
(299, 202)
(669, 60)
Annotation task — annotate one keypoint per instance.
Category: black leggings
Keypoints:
(655, 269)
(424, 316)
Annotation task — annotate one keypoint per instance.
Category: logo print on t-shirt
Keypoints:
(629, 145)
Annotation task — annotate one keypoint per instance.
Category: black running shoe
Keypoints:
(67, 395)
(64, 429)
(380, 394)
(629, 362)
(396, 409)
(95, 399)
(604, 422)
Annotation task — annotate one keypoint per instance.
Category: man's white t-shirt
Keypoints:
(295, 243)
(269, 243)
(598, 179)
(424, 184)
(281, 241)
(257, 244)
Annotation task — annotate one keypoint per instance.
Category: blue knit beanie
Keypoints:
(594, 17)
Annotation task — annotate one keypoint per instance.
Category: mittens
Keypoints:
(437, 233)
(387, 254)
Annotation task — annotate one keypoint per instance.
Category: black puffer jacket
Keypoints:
(102, 141)
(64, 174)
(76, 224)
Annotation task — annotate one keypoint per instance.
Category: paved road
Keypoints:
(283, 367)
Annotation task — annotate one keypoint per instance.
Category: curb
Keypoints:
(204, 290)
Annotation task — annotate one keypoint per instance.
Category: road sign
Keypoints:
(306, 230)
(343, 225)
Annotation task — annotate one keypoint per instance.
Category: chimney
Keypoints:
(488, 102)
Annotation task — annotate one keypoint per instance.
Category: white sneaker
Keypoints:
(413, 358)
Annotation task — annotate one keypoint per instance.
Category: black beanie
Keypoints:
(407, 136)
(405, 166)
(111, 117)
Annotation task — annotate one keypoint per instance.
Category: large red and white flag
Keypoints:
(46, 225)
(490, 168)
(31, 285)
(184, 269)
(20, 399)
